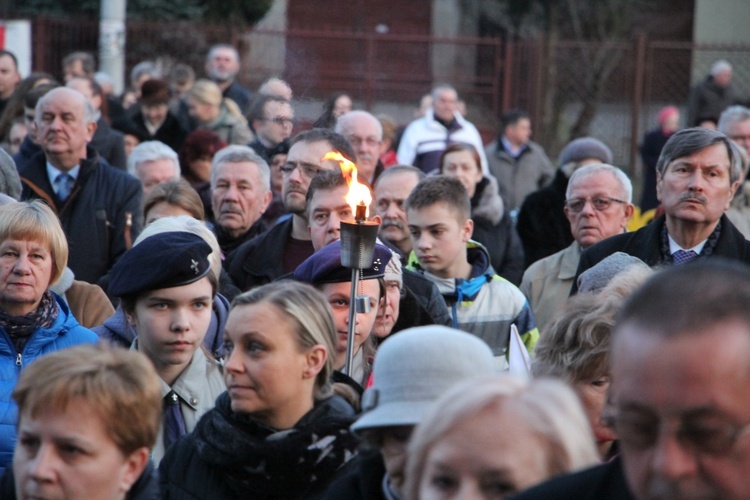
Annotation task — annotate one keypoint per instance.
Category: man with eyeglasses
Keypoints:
(681, 407)
(598, 205)
(271, 118)
(697, 175)
(286, 245)
(365, 133)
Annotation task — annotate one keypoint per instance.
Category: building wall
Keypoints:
(723, 22)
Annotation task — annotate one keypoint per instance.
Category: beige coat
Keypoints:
(546, 284)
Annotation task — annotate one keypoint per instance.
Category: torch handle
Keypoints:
(348, 367)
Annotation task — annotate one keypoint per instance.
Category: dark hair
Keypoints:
(337, 141)
(460, 146)
(178, 193)
(14, 106)
(11, 55)
(32, 97)
(198, 144)
(326, 119)
(327, 180)
(512, 117)
(258, 106)
(440, 189)
(692, 140)
(88, 64)
(181, 73)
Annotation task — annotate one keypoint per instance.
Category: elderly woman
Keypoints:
(493, 226)
(219, 115)
(35, 322)
(277, 432)
(88, 417)
(491, 437)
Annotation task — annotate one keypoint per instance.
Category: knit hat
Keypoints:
(393, 270)
(594, 279)
(583, 148)
(666, 112)
(154, 92)
(416, 367)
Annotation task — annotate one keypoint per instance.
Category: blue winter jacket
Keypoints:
(64, 332)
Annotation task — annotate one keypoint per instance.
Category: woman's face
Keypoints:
(461, 165)
(25, 274)
(202, 111)
(268, 375)
(71, 454)
(485, 456)
(593, 394)
(339, 296)
(388, 315)
(164, 209)
(342, 106)
(171, 324)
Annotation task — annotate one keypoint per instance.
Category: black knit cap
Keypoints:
(163, 260)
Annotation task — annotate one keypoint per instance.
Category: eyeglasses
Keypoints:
(306, 170)
(280, 120)
(358, 141)
(603, 203)
(709, 438)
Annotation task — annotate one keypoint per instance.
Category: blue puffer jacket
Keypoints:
(64, 332)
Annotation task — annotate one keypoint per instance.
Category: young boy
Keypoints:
(481, 302)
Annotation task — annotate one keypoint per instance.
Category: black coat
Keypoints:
(542, 224)
(362, 479)
(653, 143)
(110, 144)
(26, 152)
(603, 482)
(645, 244)
(170, 133)
(101, 217)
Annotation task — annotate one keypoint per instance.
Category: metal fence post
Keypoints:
(640, 67)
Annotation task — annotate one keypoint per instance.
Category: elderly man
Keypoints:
(426, 138)
(99, 206)
(78, 64)
(680, 374)
(272, 119)
(519, 164)
(286, 245)
(734, 122)
(240, 193)
(365, 133)
(598, 205)
(222, 67)
(698, 173)
(153, 162)
(712, 95)
(391, 190)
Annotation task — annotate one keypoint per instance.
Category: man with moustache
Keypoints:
(391, 190)
(697, 175)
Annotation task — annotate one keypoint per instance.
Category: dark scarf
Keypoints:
(20, 328)
(708, 248)
(267, 463)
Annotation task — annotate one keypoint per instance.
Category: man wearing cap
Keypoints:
(154, 121)
(99, 206)
(166, 288)
(411, 371)
(542, 225)
(282, 248)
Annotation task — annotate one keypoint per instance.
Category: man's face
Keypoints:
(739, 132)
(222, 65)
(62, 130)
(73, 69)
(724, 78)
(590, 225)
(696, 189)
(154, 114)
(680, 405)
(327, 208)
(154, 172)
(365, 137)
(445, 105)
(84, 87)
(277, 122)
(9, 76)
(237, 197)
(519, 132)
(390, 194)
(439, 238)
(302, 163)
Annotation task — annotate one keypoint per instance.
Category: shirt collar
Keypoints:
(53, 172)
(673, 246)
(514, 152)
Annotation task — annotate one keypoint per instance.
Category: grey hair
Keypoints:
(595, 168)
(186, 224)
(242, 154)
(731, 116)
(345, 123)
(549, 407)
(150, 151)
(88, 110)
(144, 68)
(692, 140)
(10, 181)
(441, 87)
(720, 66)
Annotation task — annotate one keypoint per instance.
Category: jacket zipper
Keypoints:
(19, 359)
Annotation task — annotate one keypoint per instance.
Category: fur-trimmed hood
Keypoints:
(486, 203)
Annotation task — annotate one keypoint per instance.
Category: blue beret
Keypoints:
(324, 266)
(163, 260)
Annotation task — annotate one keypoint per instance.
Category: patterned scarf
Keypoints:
(20, 328)
(708, 248)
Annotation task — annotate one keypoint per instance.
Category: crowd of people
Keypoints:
(176, 310)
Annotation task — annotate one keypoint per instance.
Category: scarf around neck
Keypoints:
(20, 328)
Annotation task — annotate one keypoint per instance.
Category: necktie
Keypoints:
(174, 423)
(64, 184)
(683, 256)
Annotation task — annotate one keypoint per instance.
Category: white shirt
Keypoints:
(673, 246)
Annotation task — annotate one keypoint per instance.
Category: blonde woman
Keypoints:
(213, 112)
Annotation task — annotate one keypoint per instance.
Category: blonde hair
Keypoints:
(34, 220)
(549, 407)
(208, 92)
(120, 385)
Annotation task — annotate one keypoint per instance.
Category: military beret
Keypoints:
(163, 260)
(324, 266)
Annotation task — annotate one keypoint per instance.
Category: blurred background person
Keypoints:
(336, 105)
(653, 143)
(212, 111)
(196, 157)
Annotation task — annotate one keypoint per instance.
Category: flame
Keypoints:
(358, 194)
